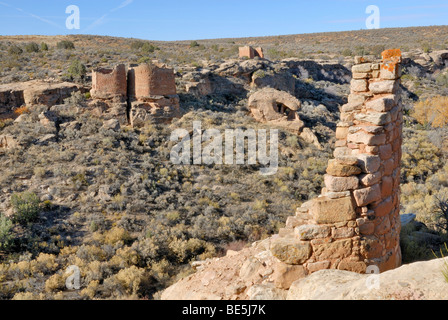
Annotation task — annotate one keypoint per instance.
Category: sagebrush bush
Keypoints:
(26, 206)
(6, 236)
(432, 112)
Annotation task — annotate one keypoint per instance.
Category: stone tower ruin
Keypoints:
(355, 223)
(109, 83)
(138, 95)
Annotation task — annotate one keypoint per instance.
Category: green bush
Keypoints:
(32, 47)
(65, 44)
(26, 206)
(5, 233)
(194, 44)
(77, 70)
(44, 46)
(15, 50)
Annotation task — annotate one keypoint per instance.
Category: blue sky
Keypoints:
(205, 19)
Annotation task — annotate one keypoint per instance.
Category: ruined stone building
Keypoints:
(139, 94)
(355, 223)
(109, 83)
(250, 52)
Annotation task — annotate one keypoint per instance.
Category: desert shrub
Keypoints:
(126, 282)
(432, 112)
(148, 48)
(21, 110)
(15, 50)
(194, 44)
(411, 249)
(347, 52)
(77, 70)
(420, 158)
(442, 213)
(26, 206)
(43, 46)
(65, 44)
(55, 282)
(32, 47)
(6, 236)
(442, 79)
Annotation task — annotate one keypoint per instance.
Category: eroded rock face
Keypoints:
(417, 281)
(34, 92)
(276, 107)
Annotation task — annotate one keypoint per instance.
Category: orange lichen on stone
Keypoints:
(391, 58)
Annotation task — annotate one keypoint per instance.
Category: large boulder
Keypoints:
(276, 107)
(416, 281)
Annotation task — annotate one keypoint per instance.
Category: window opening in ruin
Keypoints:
(285, 111)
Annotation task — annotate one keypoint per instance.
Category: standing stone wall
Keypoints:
(355, 223)
(152, 94)
(250, 52)
(151, 80)
(109, 83)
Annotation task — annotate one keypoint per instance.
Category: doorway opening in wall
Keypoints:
(285, 111)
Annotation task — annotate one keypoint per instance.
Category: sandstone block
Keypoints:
(384, 208)
(365, 196)
(341, 233)
(371, 247)
(362, 68)
(376, 118)
(385, 152)
(340, 169)
(368, 163)
(385, 86)
(387, 186)
(319, 265)
(367, 139)
(340, 184)
(284, 275)
(334, 250)
(291, 251)
(328, 211)
(311, 231)
(356, 99)
(383, 225)
(359, 85)
(341, 132)
(383, 104)
(352, 265)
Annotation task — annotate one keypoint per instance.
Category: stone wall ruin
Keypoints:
(250, 52)
(138, 95)
(355, 223)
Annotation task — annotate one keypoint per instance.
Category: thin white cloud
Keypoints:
(33, 15)
(122, 5)
(97, 22)
(102, 19)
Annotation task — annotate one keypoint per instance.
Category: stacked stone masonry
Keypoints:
(355, 223)
(250, 52)
(148, 90)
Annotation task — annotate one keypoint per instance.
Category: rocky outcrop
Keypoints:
(34, 92)
(416, 281)
(279, 108)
